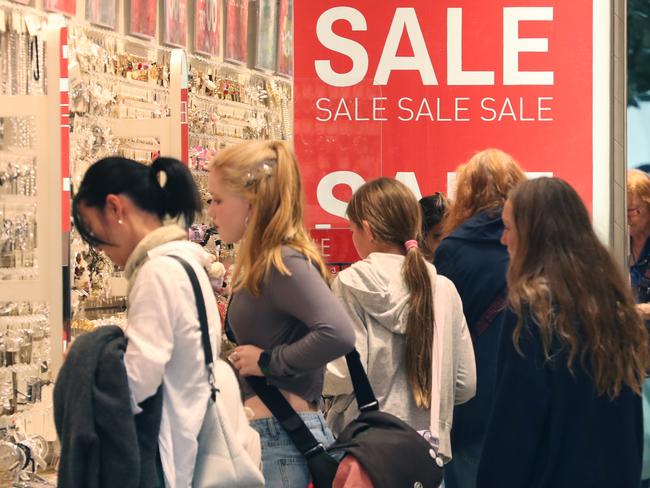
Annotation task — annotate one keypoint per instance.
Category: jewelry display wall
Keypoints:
(30, 243)
(229, 105)
(120, 105)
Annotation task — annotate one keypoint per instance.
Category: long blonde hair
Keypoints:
(578, 296)
(394, 217)
(266, 173)
(482, 184)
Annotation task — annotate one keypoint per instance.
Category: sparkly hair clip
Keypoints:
(263, 170)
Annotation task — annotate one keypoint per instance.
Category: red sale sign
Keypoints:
(411, 89)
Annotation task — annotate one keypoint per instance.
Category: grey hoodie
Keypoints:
(375, 296)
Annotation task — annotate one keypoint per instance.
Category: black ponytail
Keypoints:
(165, 188)
(179, 195)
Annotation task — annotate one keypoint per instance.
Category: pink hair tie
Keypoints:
(412, 244)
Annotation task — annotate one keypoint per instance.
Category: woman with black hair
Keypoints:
(121, 208)
(434, 209)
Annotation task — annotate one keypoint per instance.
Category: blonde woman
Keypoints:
(287, 322)
(411, 332)
(472, 257)
(567, 411)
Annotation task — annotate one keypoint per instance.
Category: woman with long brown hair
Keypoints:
(411, 332)
(473, 258)
(284, 317)
(567, 411)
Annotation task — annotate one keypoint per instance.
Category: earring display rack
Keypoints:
(32, 134)
(126, 100)
(229, 104)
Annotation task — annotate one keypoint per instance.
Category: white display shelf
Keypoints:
(45, 113)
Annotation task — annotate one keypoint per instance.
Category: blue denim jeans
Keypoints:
(282, 463)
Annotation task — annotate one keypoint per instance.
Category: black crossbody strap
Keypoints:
(301, 436)
(203, 322)
(291, 422)
(366, 399)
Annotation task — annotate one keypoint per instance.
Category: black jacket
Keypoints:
(550, 429)
(94, 420)
(474, 259)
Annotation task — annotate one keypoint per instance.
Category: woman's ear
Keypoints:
(367, 230)
(114, 208)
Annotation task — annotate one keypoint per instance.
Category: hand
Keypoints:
(245, 359)
(644, 310)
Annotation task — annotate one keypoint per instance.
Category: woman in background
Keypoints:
(473, 258)
(638, 220)
(434, 209)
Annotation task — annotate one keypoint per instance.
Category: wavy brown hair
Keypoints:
(394, 217)
(482, 184)
(577, 294)
(267, 174)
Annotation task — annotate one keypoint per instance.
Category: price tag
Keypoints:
(33, 25)
(17, 23)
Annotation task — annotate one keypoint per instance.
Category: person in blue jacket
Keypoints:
(473, 258)
(567, 410)
(638, 221)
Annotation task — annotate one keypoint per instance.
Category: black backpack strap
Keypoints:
(366, 399)
(291, 422)
(487, 318)
(203, 322)
(321, 465)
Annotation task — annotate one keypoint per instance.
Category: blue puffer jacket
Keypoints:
(473, 258)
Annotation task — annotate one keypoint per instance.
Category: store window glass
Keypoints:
(638, 84)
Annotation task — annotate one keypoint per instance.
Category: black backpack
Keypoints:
(391, 452)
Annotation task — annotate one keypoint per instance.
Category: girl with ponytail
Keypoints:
(122, 208)
(287, 323)
(410, 328)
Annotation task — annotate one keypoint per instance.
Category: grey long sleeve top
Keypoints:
(297, 319)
